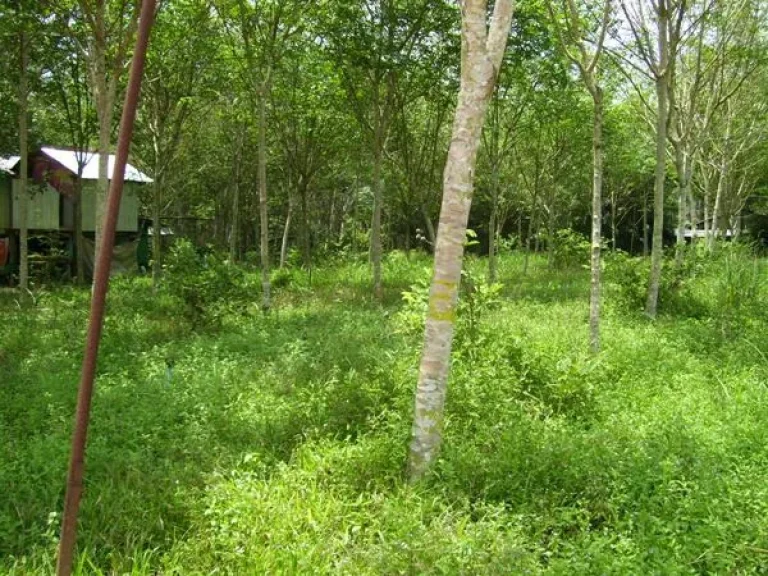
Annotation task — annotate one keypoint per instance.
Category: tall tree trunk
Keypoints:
(614, 225)
(492, 225)
(430, 228)
(104, 110)
(234, 229)
(263, 215)
(24, 169)
(645, 223)
(378, 152)
(286, 232)
(682, 166)
(717, 209)
(551, 232)
(482, 53)
(306, 230)
(707, 225)
(662, 95)
(597, 218)
(157, 240)
(78, 209)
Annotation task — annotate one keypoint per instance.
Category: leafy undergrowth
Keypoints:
(234, 443)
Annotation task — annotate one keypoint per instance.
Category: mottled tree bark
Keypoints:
(482, 53)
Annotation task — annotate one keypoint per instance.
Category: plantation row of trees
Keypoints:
(282, 125)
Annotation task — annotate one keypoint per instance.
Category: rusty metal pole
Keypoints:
(98, 299)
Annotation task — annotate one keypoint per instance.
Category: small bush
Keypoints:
(204, 283)
(571, 249)
(626, 280)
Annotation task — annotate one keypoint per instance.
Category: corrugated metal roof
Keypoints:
(9, 163)
(68, 159)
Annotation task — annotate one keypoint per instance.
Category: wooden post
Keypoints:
(100, 286)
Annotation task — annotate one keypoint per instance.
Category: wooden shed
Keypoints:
(53, 173)
(51, 187)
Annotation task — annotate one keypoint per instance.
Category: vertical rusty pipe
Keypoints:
(100, 286)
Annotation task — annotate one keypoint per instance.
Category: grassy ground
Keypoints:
(229, 443)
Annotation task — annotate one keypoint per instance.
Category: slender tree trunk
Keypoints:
(104, 109)
(597, 218)
(378, 151)
(263, 215)
(24, 169)
(692, 215)
(306, 239)
(551, 233)
(234, 230)
(492, 226)
(614, 226)
(157, 240)
(286, 232)
(430, 228)
(482, 54)
(78, 209)
(645, 223)
(681, 166)
(717, 209)
(662, 95)
(707, 224)
(531, 237)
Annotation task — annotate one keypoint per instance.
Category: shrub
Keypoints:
(571, 249)
(626, 281)
(204, 283)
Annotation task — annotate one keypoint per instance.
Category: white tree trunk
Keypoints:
(482, 52)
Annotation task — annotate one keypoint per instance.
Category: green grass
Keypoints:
(278, 444)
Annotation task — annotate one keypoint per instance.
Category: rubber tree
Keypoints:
(73, 117)
(506, 109)
(178, 78)
(258, 33)
(657, 50)
(104, 30)
(417, 153)
(374, 44)
(20, 20)
(482, 51)
(573, 36)
(307, 104)
(23, 104)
